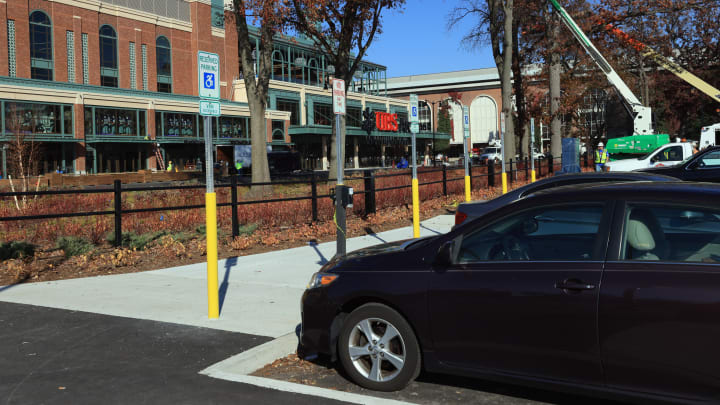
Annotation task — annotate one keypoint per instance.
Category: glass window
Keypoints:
(163, 56)
(68, 111)
(41, 52)
(322, 114)
(681, 234)
(560, 233)
(424, 117)
(218, 13)
(293, 107)
(671, 154)
(353, 116)
(232, 127)
(709, 160)
(108, 57)
(30, 118)
(278, 131)
(112, 121)
(181, 125)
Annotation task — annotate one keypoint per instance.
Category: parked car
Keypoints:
(471, 210)
(666, 155)
(702, 166)
(517, 295)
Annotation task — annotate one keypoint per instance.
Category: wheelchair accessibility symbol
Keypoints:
(209, 80)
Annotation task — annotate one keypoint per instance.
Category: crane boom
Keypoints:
(642, 115)
(666, 63)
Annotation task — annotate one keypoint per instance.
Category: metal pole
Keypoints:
(532, 150)
(415, 190)
(211, 223)
(339, 208)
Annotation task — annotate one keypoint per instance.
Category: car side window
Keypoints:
(710, 160)
(557, 233)
(677, 234)
(671, 154)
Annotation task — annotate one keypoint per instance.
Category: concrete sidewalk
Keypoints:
(259, 294)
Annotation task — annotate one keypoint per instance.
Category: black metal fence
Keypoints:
(370, 191)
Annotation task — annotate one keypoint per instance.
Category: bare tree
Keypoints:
(23, 150)
(494, 24)
(339, 27)
(256, 68)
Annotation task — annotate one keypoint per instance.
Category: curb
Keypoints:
(237, 368)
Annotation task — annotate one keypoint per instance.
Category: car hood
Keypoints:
(380, 249)
(666, 170)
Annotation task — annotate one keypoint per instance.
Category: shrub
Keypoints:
(74, 246)
(16, 250)
(131, 240)
(248, 229)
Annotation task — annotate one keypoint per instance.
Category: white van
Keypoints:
(709, 136)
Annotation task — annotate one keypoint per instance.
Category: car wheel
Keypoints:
(378, 348)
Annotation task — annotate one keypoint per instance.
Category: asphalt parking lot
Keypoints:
(69, 357)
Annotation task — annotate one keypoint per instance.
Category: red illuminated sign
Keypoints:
(386, 121)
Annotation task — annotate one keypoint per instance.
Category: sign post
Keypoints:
(466, 139)
(532, 150)
(414, 127)
(209, 90)
(502, 153)
(338, 86)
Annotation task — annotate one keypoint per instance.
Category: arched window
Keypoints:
(164, 65)
(41, 52)
(108, 57)
(278, 62)
(424, 116)
(313, 77)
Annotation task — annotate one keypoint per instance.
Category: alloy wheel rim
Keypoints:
(376, 349)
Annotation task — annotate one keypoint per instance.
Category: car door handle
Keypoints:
(575, 285)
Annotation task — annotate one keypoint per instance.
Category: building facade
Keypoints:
(112, 86)
(479, 89)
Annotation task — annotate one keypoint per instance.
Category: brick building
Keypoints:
(479, 90)
(111, 86)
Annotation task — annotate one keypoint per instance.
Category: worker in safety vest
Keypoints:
(238, 166)
(601, 157)
(170, 166)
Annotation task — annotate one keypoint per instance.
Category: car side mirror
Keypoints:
(444, 254)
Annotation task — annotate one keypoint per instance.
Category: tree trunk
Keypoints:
(522, 118)
(506, 82)
(555, 69)
(258, 138)
(525, 144)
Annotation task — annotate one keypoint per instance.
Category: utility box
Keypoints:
(570, 156)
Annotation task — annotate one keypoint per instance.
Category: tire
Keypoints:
(385, 363)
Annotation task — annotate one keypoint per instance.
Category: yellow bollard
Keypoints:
(504, 182)
(416, 207)
(467, 189)
(212, 255)
(532, 176)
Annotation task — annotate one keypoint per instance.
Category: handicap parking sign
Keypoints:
(209, 80)
(414, 112)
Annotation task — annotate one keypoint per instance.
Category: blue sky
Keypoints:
(417, 41)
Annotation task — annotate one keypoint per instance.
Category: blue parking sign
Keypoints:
(414, 112)
(209, 80)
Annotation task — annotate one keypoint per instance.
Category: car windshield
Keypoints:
(490, 150)
(643, 157)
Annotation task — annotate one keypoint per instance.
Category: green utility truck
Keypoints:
(631, 146)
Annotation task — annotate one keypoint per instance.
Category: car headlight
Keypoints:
(320, 279)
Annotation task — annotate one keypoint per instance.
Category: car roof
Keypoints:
(677, 192)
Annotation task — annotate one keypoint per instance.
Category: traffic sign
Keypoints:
(414, 108)
(339, 96)
(209, 108)
(414, 127)
(208, 75)
(466, 121)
